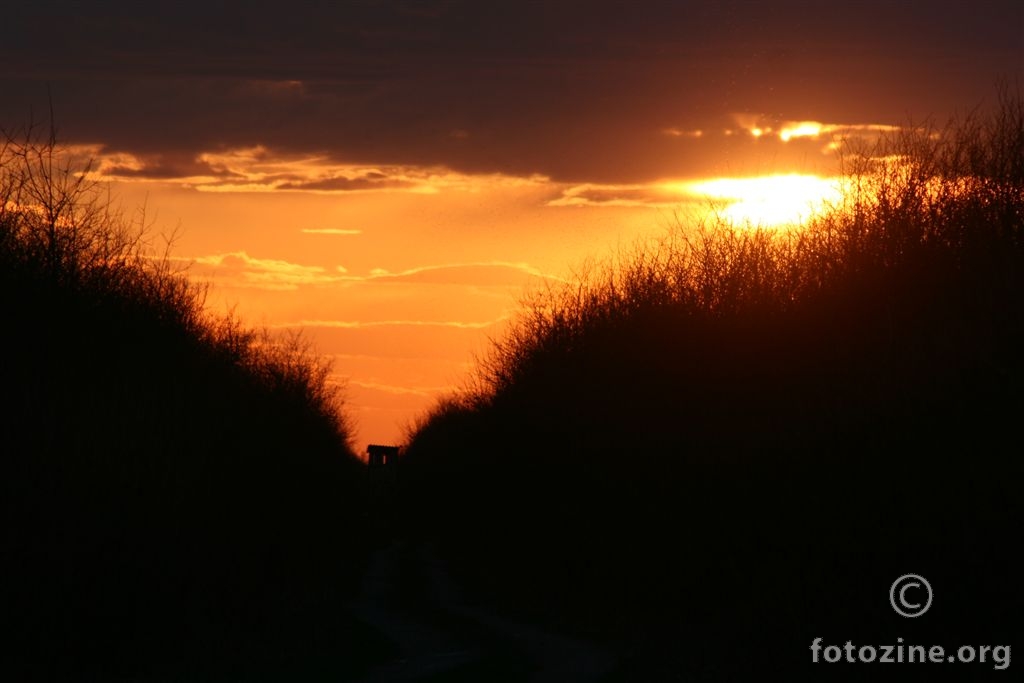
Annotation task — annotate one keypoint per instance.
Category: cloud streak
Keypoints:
(484, 274)
(239, 269)
(261, 169)
(331, 231)
(365, 324)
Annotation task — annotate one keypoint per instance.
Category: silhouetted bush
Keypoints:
(733, 441)
(180, 496)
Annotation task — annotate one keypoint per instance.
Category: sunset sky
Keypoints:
(391, 175)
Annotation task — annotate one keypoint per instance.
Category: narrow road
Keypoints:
(410, 597)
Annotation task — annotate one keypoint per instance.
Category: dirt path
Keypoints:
(555, 658)
(426, 648)
(441, 637)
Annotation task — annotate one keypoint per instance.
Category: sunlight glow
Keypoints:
(801, 129)
(768, 201)
(760, 126)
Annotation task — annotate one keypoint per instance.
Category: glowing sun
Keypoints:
(767, 201)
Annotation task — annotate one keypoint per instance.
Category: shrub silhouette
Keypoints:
(179, 490)
(733, 441)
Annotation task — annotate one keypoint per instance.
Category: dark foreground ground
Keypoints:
(441, 635)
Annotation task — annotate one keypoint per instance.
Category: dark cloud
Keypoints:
(175, 166)
(577, 91)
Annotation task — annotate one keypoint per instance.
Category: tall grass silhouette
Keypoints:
(180, 496)
(732, 441)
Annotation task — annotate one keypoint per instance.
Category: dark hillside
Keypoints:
(736, 440)
(180, 499)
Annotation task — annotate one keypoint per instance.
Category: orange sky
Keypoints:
(400, 288)
(391, 175)
(403, 286)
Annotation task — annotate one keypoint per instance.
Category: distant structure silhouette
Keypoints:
(382, 462)
(382, 471)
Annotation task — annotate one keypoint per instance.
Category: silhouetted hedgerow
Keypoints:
(733, 441)
(180, 496)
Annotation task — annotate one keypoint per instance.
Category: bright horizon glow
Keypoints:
(403, 289)
(773, 201)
